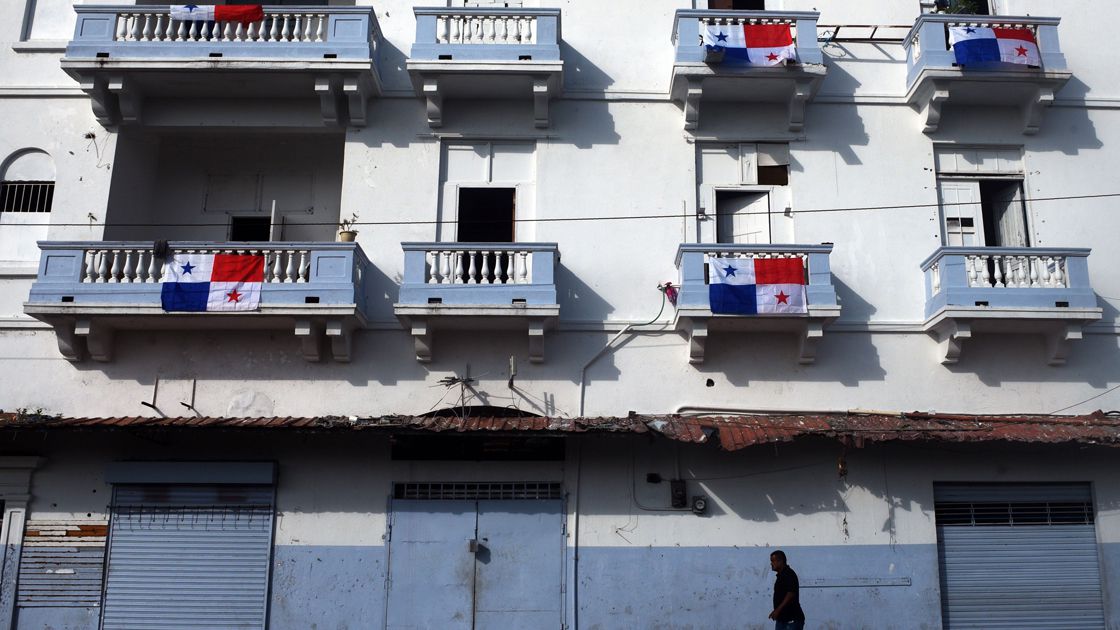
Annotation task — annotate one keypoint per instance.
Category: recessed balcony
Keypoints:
(478, 286)
(128, 58)
(88, 291)
(694, 315)
(697, 77)
(934, 79)
(988, 290)
(485, 53)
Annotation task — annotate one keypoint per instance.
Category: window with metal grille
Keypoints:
(26, 196)
(988, 513)
(453, 491)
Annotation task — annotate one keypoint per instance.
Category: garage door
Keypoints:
(1018, 556)
(188, 557)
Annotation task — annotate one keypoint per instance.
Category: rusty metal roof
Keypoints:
(731, 432)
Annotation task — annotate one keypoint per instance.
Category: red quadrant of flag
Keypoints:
(237, 268)
(779, 271)
(767, 35)
(1014, 33)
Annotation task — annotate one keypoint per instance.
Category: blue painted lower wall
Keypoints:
(343, 588)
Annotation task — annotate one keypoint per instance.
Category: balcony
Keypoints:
(695, 79)
(465, 53)
(89, 290)
(933, 78)
(125, 57)
(986, 290)
(695, 318)
(473, 286)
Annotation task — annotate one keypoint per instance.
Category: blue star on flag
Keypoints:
(721, 37)
(729, 270)
(969, 30)
(190, 7)
(187, 268)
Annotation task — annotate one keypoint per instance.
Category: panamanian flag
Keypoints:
(753, 286)
(755, 44)
(977, 45)
(244, 13)
(213, 282)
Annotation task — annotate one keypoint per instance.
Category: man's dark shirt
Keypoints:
(787, 583)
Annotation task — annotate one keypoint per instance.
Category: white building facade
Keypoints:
(506, 402)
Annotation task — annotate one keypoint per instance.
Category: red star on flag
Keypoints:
(772, 57)
(782, 297)
(1022, 51)
(234, 296)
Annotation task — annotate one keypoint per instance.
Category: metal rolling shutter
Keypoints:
(188, 557)
(1018, 556)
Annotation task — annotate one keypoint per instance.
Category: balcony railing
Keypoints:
(1008, 277)
(692, 262)
(927, 44)
(690, 23)
(87, 290)
(116, 31)
(484, 34)
(479, 273)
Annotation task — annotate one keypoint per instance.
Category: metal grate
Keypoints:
(452, 491)
(195, 517)
(26, 196)
(989, 513)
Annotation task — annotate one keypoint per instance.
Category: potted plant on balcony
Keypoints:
(346, 233)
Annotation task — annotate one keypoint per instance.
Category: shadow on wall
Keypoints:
(580, 74)
(1005, 359)
(585, 124)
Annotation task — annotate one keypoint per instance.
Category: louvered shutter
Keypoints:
(188, 556)
(1018, 556)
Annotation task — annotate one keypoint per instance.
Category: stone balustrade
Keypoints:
(690, 24)
(693, 258)
(1010, 277)
(480, 33)
(479, 273)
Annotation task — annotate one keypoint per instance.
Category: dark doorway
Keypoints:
(486, 215)
(243, 229)
(738, 5)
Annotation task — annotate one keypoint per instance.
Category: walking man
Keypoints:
(787, 614)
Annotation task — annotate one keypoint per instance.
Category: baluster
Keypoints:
(274, 32)
(458, 279)
(137, 30)
(1032, 269)
(278, 266)
(181, 32)
(985, 275)
(501, 29)
(128, 270)
(1024, 275)
(488, 30)
(472, 271)
(102, 257)
(935, 280)
(161, 28)
(530, 31)
(970, 266)
(485, 279)
(149, 27)
(442, 28)
(239, 33)
(89, 266)
(304, 266)
(1044, 271)
(154, 275)
(194, 31)
(115, 273)
(442, 267)
(286, 28)
(290, 272)
(523, 273)
(1057, 278)
(431, 267)
(476, 31)
(307, 27)
(507, 267)
(998, 265)
(321, 34)
(228, 33)
(122, 27)
(455, 31)
(297, 26)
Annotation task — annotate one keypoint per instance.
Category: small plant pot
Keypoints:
(347, 236)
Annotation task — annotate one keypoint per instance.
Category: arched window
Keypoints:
(27, 182)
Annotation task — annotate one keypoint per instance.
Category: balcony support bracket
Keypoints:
(536, 339)
(697, 340)
(692, 96)
(1032, 109)
(341, 338)
(433, 102)
(541, 96)
(129, 99)
(802, 94)
(310, 335)
(70, 346)
(951, 336)
(103, 102)
(1057, 343)
(810, 336)
(422, 339)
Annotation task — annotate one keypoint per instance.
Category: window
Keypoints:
(738, 5)
(483, 184)
(26, 196)
(981, 197)
(744, 193)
